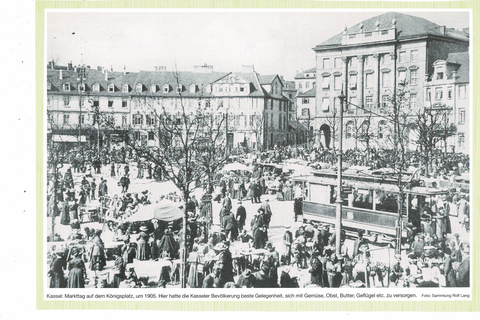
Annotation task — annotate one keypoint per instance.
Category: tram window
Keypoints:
(363, 199)
(386, 201)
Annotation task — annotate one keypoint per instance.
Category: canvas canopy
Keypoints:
(164, 210)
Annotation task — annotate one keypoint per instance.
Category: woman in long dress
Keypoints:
(77, 272)
(289, 191)
(97, 260)
(65, 217)
(142, 241)
(56, 273)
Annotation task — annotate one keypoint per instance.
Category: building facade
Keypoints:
(253, 106)
(447, 92)
(369, 63)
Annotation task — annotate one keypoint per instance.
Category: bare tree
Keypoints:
(257, 125)
(334, 122)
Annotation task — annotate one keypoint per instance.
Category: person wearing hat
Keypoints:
(230, 226)
(241, 216)
(211, 280)
(463, 270)
(246, 279)
(142, 243)
(267, 212)
(224, 262)
(260, 237)
(97, 257)
(77, 272)
(287, 242)
(418, 245)
(56, 272)
(168, 245)
(102, 188)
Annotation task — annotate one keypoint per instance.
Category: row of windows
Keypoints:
(369, 80)
(165, 89)
(385, 59)
(439, 93)
(353, 103)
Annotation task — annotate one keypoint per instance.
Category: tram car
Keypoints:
(370, 200)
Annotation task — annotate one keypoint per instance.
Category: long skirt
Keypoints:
(58, 281)
(142, 251)
(75, 278)
(289, 194)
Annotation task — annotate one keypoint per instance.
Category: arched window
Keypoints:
(166, 88)
(139, 87)
(96, 87)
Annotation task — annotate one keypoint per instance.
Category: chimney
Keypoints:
(124, 69)
(61, 75)
(442, 30)
(111, 68)
(52, 65)
(70, 66)
(106, 75)
(248, 68)
(204, 68)
(160, 68)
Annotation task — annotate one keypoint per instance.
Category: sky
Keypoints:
(275, 42)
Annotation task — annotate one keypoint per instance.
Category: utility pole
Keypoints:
(339, 202)
(80, 78)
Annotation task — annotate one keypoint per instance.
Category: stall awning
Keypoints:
(164, 210)
(66, 138)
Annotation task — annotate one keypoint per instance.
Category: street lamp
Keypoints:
(339, 202)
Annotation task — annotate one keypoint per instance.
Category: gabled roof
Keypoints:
(268, 79)
(407, 27)
(301, 75)
(307, 94)
(463, 60)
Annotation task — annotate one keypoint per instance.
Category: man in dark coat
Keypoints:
(241, 216)
(260, 237)
(93, 187)
(267, 211)
(225, 263)
(287, 241)
(230, 226)
(246, 279)
(463, 271)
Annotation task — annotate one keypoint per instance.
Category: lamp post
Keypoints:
(339, 202)
(80, 78)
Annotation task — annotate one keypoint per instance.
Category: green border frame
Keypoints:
(312, 305)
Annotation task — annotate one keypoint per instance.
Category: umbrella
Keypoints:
(164, 210)
(235, 166)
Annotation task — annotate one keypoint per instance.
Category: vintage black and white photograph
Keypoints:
(257, 149)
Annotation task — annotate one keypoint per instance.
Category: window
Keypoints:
(193, 88)
(385, 79)
(413, 77)
(280, 121)
(354, 62)
(124, 103)
(368, 60)
(440, 75)
(305, 112)
(369, 80)
(428, 95)
(438, 93)
(166, 88)
(385, 101)
(461, 118)
(337, 83)
(137, 119)
(402, 76)
(151, 136)
(462, 92)
(461, 140)
(139, 87)
(111, 88)
(413, 55)
(352, 81)
(353, 102)
(208, 89)
(349, 130)
(137, 135)
(81, 87)
(305, 101)
(125, 88)
(153, 88)
(243, 121)
(402, 56)
(325, 104)
(382, 129)
(124, 120)
(96, 103)
(96, 87)
(385, 59)
(326, 63)
(300, 85)
(326, 82)
(81, 119)
(150, 120)
(369, 102)
(66, 87)
(413, 101)
(449, 93)
(66, 119)
(110, 103)
(66, 101)
(242, 89)
(338, 62)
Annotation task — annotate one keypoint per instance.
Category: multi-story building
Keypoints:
(254, 105)
(447, 92)
(369, 62)
(305, 81)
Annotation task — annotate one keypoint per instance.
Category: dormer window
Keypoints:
(125, 88)
(208, 89)
(96, 87)
(440, 75)
(153, 88)
(166, 88)
(81, 87)
(179, 88)
(66, 87)
(111, 87)
(139, 87)
(242, 89)
(193, 88)
(49, 86)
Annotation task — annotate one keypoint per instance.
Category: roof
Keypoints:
(301, 75)
(297, 125)
(407, 27)
(462, 59)
(309, 93)
(268, 79)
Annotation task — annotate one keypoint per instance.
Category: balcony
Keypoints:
(367, 37)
